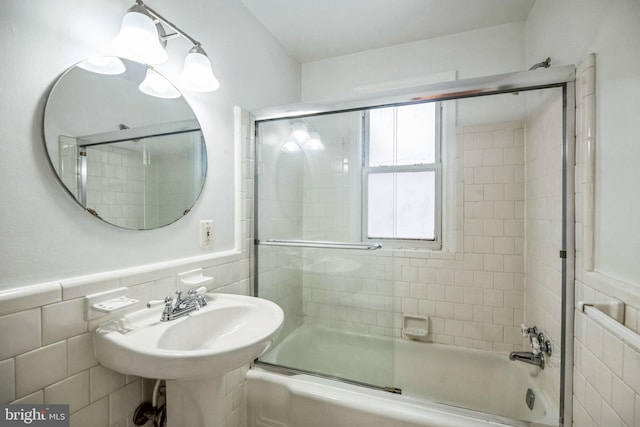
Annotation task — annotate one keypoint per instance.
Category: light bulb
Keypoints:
(138, 39)
(197, 74)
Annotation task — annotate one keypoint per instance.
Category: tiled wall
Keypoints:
(131, 192)
(475, 297)
(606, 376)
(46, 353)
(116, 185)
(46, 346)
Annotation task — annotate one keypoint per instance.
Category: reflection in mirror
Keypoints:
(133, 157)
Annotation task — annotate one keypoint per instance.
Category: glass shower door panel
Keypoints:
(347, 318)
(338, 302)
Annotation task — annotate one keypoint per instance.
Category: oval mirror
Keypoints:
(125, 143)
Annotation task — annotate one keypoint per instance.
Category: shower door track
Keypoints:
(562, 77)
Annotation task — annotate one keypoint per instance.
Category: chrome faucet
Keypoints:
(540, 346)
(528, 357)
(175, 309)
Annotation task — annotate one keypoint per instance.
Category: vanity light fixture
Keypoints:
(143, 36)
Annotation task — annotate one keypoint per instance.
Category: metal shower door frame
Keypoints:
(562, 77)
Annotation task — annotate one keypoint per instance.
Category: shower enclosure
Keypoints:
(389, 228)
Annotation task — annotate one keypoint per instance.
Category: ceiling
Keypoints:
(312, 30)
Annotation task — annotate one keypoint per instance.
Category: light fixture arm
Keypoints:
(177, 31)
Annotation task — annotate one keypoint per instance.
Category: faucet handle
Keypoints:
(157, 302)
(197, 291)
(535, 345)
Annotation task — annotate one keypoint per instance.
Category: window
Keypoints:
(402, 173)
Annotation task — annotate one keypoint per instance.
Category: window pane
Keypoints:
(416, 134)
(402, 205)
(415, 205)
(380, 209)
(381, 149)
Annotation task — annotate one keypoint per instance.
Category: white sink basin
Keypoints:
(230, 331)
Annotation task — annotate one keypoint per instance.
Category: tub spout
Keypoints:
(528, 357)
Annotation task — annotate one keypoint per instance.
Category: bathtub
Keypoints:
(441, 385)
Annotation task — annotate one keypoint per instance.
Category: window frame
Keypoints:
(436, 167)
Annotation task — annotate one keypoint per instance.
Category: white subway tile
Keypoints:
(473, 158)
(445, 310)
(493, 263)
(8, 381)
(580, 416)
(514, 191)
(63, 320)
(24, 298)
(36, 398)
(493, 192)
(73, 391)
(463, 312)
(631, 368)
(80, 354)
(483, 279)
(20, 332)
(493, 157)
(124, 401)
(593, 402)
(103, 381)
(622, 400)
(40, 368)
(602, 380)
(493, 333)
(483, 140)
(482, 314)
(94, 415)
(595, 339)
(609, 417)
(483, 175)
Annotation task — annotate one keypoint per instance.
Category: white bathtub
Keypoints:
(441, 385)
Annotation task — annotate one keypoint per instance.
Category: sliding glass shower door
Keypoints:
(389, 232)
(337, 292)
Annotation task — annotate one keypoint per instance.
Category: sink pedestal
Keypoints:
(195, 403)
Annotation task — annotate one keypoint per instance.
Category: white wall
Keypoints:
(483, 52)
(45, 235)
(567, 31)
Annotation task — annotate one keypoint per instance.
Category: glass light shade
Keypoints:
(290, 147)
(299, 132)
(156, 85)
(138, 39)
(314, 143)
(197, 74)
(109, 65)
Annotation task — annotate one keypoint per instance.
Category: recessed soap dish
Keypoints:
(114, 304)
(414, 326)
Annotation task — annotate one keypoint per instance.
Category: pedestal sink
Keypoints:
(192, 353)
